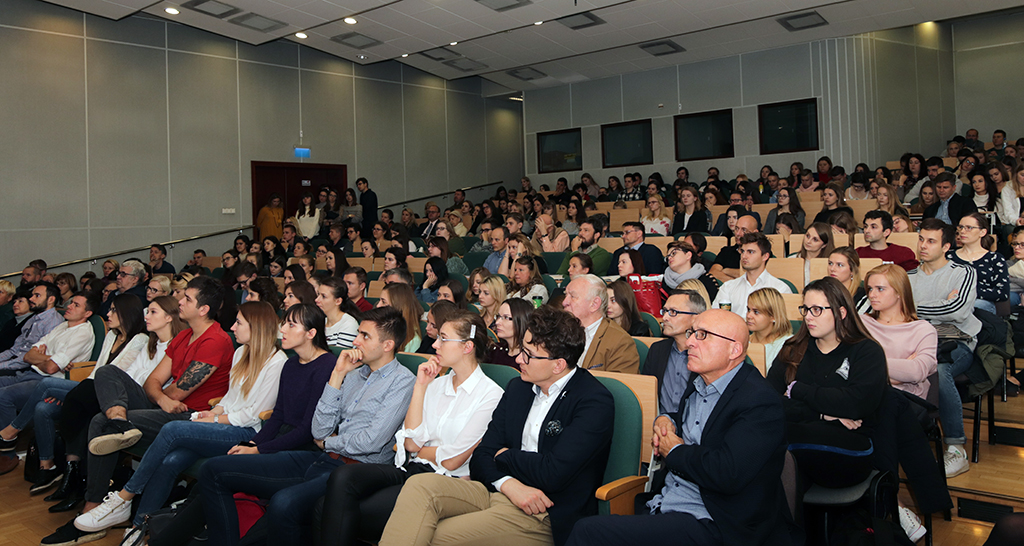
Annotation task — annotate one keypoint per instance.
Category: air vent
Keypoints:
(441, 54)
(526, 74)
(504, 5)
(664, 47)
(213, 8)
(356, 40)
(465, 65)
(258, 22)
(802, 21)
(578, 21)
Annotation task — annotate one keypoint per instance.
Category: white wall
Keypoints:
(988, 53)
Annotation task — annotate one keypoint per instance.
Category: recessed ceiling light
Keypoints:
(361, 57)
(171, 11)
(301, 35)
(454, 43)
(802, 21)
(212, 8)
(539, 23)
(404, 55)
(350, 20)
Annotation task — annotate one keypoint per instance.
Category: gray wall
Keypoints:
(867, 111)
(120, 134)
(988, 52)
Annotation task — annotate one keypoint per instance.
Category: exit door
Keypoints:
(292, 180)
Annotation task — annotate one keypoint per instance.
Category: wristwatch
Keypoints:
(216, 418)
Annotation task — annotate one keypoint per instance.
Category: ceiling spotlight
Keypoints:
(301, 35)
(350, 20)
(361, 57)
(539, 23)
(404, 55)
(171, 11)
(454, 43)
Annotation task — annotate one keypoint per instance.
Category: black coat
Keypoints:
(654, 260)
(959, 206)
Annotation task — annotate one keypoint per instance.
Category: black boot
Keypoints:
(72, 475)
(75, 491)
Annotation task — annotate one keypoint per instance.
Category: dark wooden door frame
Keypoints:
(337, 178)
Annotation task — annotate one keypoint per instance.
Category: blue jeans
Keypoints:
(292, 480)
(1015, 299)
(15, 391)
(176, 447)
(951, 407)
(44, 414)
(986, 305)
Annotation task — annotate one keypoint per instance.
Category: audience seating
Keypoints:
(365, 263)
(819, 267)
(756, 354)
(621, 481)
(211, 262)
(500, 374)
(778, 245)
(642, 349)
(660, 242)
(553, 260)
(474, 260)
(716, 243)
(411, 361)
(618, 217)
(793, 303)
(880, 489)
(611, 244)
(375, 288)
(279, 281)
(652, 323)
(788, 269)
(645, 389)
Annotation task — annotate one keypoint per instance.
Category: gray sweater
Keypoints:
(931, 294)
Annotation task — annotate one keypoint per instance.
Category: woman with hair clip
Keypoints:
(526, 282)
(623, 310)
(844, 266)
(768, 323)
(993, 274)
(452, 290)
(80, 404)
(255, 377)
(337, 264)
(124, 340)
(307, 218)
(435, 273)
(342, 324)
(832, 377)
(510, 327)
(438, 246)
(788, 203)
(691, 216)
(492, 294)
(400, 296)
(438, 314)
(447, 417)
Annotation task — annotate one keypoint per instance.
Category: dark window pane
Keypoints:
(625, 144)
(707, 135)
(788, 126)
(559, 151)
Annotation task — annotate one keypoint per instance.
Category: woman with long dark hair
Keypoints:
(623, 310)
(342, 315)
(435, 273)
(510, 327)
(307, 218)
(788, 202)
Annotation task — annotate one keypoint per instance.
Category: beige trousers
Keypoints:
(439, 510)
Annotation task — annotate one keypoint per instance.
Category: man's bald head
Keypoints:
(745, 224)
(723, 349)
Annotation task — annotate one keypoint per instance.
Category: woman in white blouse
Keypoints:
(658, 222)
(447, 417)
(255, 375)
(307, 218)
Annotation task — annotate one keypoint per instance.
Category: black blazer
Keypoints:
(654, 260)
(572, 449)
(959, 206)
(700, 222)
(738, 464)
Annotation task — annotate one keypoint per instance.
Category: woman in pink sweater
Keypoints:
(909, 343)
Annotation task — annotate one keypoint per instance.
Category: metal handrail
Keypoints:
(94, 259)
(467, 188)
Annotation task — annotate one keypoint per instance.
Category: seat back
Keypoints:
(211, 262)
(411, 361)
(652, 323)
(624, 454)
(365, 263)
(99, 331)
(790, 269)
(789, 477)
(500, 374)
(549, 283)
(553, 260)
(645, 389)
(642, 349)
(756, 354)
(474, 260)
(375, 288)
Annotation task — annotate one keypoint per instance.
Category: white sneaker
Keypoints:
(911, 524)
(113, 511)
(132, 536)
(955, 461)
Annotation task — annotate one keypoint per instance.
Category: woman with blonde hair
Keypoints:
(526, 282)
(889, 200)
(698, 287)
(768, 323)
(901, 223)
(179, 284)
(158, 286)
(476, 279)
(519, 246)
(401, 296)
(110, 269)
(492, 294)
(658, 221)
(844, 266)
(409, 219)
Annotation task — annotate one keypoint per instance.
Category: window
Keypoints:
(788, 126)
(559, 151)
(706, 135)
(626, 144)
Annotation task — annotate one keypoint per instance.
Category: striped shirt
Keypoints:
(343, 332)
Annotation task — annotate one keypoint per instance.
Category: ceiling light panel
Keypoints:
(441, 54)
(356, 40)
(802, 21)
(663, 47)
(465, 65)
(212, 8)
(526, 74)
(258, 22)
(504, 5)
(583, 20)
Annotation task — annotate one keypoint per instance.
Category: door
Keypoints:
(292, 180)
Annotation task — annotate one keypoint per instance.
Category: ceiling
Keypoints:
(501, 41)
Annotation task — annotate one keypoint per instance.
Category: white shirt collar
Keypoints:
(557, 386)
(468, 385)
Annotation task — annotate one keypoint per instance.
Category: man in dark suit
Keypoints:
(724, 452)
(539, 463)
(633, 237)
(951, 206)
(667, 358)
(426, 230)
(368, 200)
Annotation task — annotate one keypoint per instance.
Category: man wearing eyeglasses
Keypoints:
(667, 358)
(755, 250)
(723, 453)
(129, 281)
(633, 238)
(484, 244)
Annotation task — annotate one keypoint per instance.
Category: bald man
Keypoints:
(726, 266)
(724, 451)
(550, 237)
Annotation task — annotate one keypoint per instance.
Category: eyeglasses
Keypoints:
(702, 334)
(530, 357)
(966, 228)
(507, 318)
(443, 339)
(151, 289)
(1017, 245)
(814, 310)
(675, 313)
(123, 274)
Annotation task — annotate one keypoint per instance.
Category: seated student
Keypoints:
(789, 203)
(844, 266)
(294, 272)
(722, 484)
(691, 215)
(726, 266)
(399, 295)
(264, 289)
(526, 282)
(832, 198)
(550, 237)
(355, 420)
(439, 312)
(950, 206)
(623, 310)
(453, 291)
(658, 221)
(633, 239)
(499, 246)
(342, 321)
(587, 243)
(157, 257)
(817, 244)
(510, 327)
(255, 376)
(298, 292)
(44, 318)
(608, 347)
(563, 468)
(356, 280)
(667, 358)
(21, 309)
(194, 369)
(277, 265)
(446, 419)
(1016, 269)
(992, 272)
(844, 229)
(683, 263)
(768, 323)
(755, 251)
(726, 225)
(877, 228)
(438, 246)
(630, 263)
(832, 377)
(435, 272)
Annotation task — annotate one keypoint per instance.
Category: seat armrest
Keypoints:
(77, 371)
(621, 493)
(265, 415)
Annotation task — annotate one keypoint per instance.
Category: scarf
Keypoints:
(672, 279)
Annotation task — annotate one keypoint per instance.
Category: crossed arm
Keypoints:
(170, 399)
